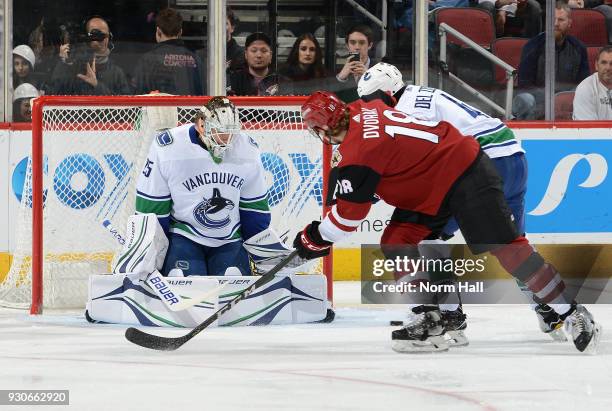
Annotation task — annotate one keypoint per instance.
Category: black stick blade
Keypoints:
(154, 342)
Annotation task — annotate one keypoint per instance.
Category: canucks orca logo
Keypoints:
(214, 212)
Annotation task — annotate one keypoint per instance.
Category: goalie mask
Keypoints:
(382, 76)
(220, 124)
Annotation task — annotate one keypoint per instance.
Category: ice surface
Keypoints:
(346, 365)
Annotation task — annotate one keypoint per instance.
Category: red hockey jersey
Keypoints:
(410, 164)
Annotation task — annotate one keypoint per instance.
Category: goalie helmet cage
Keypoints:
(92, 134)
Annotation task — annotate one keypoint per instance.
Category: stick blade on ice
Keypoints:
(154, 342)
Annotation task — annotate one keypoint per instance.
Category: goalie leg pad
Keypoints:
(145, 246)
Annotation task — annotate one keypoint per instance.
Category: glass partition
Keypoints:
(476, 51)
(4, 29)
(503, 65)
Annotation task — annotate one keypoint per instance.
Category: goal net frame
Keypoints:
(45, 102)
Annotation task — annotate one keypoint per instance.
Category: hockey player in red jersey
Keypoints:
(429, 172)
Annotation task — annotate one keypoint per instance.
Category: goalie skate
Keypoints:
(550, 323)
(425, 333)
(582, 329)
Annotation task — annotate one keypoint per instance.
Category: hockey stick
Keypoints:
(157, 342)
(171, 299)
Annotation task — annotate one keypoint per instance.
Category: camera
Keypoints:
(95, 35)
(81, 53)
(353, 56)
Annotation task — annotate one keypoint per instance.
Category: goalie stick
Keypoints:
(157, 342)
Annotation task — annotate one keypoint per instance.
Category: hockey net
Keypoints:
(87, 153)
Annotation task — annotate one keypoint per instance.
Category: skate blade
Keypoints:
(457, 338)
(558, 335)
(432, 344)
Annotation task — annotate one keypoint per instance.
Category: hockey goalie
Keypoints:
(201, 231)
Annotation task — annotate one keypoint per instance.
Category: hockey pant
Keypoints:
(477, 202)
(197, 259)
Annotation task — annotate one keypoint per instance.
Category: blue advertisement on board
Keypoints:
(569, 187)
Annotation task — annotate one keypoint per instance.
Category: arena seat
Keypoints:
(477, 24)
(589, 26)
(509, 50)
(592, 56)
(564, 105)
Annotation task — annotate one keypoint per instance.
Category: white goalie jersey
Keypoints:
(209, 203)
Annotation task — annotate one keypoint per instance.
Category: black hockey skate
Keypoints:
(550, 323)
(455, 323)
(425, 333)
(582, 328)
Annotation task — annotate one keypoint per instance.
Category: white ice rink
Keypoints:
(346, 365)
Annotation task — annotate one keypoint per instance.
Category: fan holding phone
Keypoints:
(358, 42)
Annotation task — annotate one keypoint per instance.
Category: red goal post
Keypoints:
(274, 122)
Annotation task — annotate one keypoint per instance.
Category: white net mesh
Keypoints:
(92, 157)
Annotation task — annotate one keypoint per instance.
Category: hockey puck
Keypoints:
(396, 323)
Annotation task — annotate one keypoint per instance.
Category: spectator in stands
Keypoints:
(91, 71)
(170, 67)
(234, 54)
(404, 10)
(526, 15)
(359, 39)
(304, 67)
(571, 66)
(593, 98)
(23, 65)
(22, 110)
(50, 43)
(255, 78)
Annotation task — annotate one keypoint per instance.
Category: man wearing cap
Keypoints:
(255, 78)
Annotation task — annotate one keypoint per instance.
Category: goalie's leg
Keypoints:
(197, 259)
(185, 255)
(219, 259)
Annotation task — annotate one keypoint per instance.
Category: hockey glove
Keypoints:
(310, 244)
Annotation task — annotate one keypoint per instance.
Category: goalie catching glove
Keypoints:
(266, 250)
(310, 244)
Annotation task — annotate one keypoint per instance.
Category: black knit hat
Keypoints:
(257, 36)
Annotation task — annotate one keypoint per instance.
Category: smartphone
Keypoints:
(353, 56)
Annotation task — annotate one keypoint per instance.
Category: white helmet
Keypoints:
(382, 76)
(25, 52)
(25, 90)
(221, 122)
